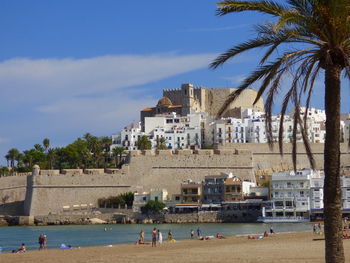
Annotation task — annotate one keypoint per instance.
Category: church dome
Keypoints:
(165, 101)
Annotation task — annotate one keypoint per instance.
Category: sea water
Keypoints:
(104, 235)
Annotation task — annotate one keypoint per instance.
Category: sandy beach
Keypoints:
(291, 247)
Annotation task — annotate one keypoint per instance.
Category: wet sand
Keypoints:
(292, 247)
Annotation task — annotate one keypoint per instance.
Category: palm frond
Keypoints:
(267, 7)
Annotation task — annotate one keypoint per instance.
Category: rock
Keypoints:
(96, 221)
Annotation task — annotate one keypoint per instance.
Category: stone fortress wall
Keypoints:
(55, 194)
(12, 194)
(264, 157)
(51, 191)
(210, 100)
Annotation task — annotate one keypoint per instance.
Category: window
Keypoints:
(156, 198)
(144, 198)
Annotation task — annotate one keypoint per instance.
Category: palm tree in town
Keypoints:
(161, 144)
(46, 144)
(13, 156)
(118, 154)
(7, 156)
(307, 38)
(51, 154)
(143, 143)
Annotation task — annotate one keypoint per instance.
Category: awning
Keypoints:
(186, 206)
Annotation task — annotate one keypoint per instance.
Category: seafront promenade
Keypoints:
(291, 247)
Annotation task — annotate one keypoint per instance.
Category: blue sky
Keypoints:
(71, 67)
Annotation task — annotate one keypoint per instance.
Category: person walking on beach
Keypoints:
(142, 237)
(154, 237)
(192, 233)
(45, 241)
(199, 232)
(170, 236)
(41, 241)
(160, 237)
(271, 230)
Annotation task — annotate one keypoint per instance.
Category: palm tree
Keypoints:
(161, 144)
(311, 37)
(143, 143)
(7, 156)
(51, 154)
(13, 156)
(118, 153)
(39, 148)
(46, 144)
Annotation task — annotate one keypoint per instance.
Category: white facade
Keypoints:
(178, 132)
(346, 131)
(229, 130)
(314, 114)
(301, 194)
(141, 199)
(198, 129)
(128, 137)
(345, 183)
(291, 193)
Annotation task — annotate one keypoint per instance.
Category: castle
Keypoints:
(189, 99)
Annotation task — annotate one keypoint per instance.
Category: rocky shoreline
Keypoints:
(127, 217)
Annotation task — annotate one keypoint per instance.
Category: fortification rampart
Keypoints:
(164, 169)
(68, 193)
(75, 190)
(12, 194)
(264, 157)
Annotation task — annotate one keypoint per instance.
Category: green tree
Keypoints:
(7, 157)
(12, 155)
(39, 148)
(307, 37)
(51, 154)
(154, 206)
(117, 154)
(161, 144)
(31, 157)
(76, 154)
(46, 144)
(128, 198)
(143, 143)
(4, 171)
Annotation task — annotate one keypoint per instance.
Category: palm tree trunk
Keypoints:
(332, 189)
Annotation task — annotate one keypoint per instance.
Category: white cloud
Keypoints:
(40, 80)
(63, 98)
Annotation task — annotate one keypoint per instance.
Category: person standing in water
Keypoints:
(192, 233)
(142, 237)
(160, 237)
(154, 237)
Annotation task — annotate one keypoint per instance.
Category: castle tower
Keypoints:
(187, 91)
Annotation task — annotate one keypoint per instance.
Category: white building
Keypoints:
(178, 132)
(314, 114)
(197, 130)
(141, 199)
(291, 194)
(128, 137)
(300, 195)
